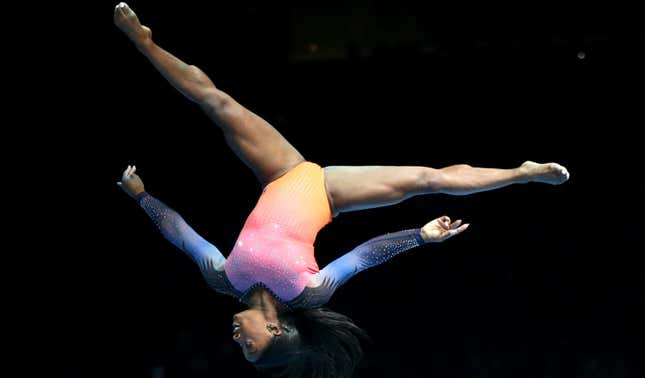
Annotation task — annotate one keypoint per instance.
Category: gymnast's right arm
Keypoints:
(172, 225)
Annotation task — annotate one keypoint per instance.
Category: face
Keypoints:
(251, 332)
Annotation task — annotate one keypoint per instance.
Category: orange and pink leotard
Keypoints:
(275, 249)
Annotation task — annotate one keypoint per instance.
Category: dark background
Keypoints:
(547, 281)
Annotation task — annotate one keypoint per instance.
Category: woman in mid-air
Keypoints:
(272, 267)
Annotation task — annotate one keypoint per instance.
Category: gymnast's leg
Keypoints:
(353, 188)
(260, 146)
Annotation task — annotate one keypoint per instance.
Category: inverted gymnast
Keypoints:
(272, 268)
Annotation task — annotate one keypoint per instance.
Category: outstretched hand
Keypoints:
(441, 229)
(130, 182)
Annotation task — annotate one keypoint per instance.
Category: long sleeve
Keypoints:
(369, 254)
(207, 257)
(178, 232)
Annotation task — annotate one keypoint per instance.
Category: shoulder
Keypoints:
(216, 277)
(316, 293)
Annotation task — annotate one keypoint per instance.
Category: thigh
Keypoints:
(352, 188)
(256, 142)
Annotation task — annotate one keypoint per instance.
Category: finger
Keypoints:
(451, 233)
(129, 170)
(460, 229)
(446, 222)
(134, 169)
(119, 183)
(455, 224)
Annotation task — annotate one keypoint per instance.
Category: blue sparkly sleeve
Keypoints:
(178, 232)
(371, 253)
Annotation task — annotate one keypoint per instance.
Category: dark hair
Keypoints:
(317, 343)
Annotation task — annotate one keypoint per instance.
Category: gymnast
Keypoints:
(272, 269)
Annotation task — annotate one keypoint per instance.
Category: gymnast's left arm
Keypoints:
(382, 248)
(171, 225)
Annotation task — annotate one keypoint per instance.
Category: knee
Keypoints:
(435, 180)
(198, 76)
(430, 180)
(213, 100)
(441, 179)
(456, 168)
(203, 86)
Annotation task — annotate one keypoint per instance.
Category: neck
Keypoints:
(262, 300)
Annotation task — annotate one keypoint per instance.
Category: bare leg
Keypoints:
(356, 188)
(260, 146)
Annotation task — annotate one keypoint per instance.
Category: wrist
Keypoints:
(140, 195)
(424, 235)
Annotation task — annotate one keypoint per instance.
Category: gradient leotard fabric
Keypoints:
(275, 249)
(276, 244)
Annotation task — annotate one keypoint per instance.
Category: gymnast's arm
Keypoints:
(172, 225)
(382, 248)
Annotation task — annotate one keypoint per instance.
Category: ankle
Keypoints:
(522, 174)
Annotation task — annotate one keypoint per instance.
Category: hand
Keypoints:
(130, 182)
(126, 20)
(441, 229)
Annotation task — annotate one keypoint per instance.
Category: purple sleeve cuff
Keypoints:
(140, 196)
(418, 237)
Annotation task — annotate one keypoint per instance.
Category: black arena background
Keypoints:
(546, 282)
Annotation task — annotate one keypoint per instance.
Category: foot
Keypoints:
(126, 20)
(549, 173)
